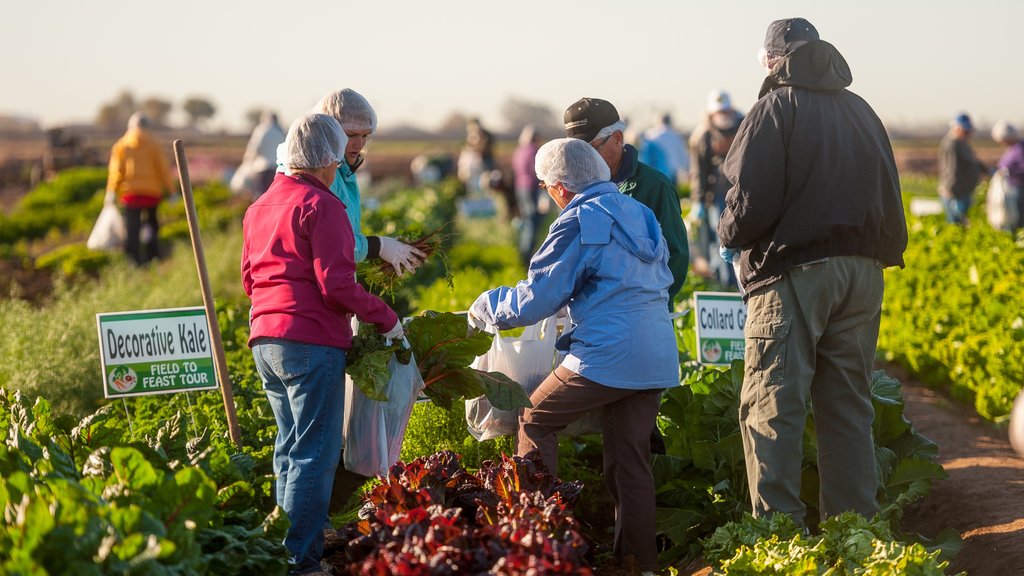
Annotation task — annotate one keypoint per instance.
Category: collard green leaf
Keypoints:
(504, 393)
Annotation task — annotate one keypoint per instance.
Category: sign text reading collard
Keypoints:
(155, 352)
(719, 322)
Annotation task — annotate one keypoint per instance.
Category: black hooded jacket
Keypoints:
(812, 173)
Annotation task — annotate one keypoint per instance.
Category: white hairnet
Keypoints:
(619, 126)
(314, 141)
(350, 109)
(138, 120)
(1003, 131)
(572, 162)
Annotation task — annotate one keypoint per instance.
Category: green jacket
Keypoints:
(652, 189)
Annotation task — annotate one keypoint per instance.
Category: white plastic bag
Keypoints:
(373, 430)
(527, 359)
(109, 231)
(1016, 430)
(1001, 202)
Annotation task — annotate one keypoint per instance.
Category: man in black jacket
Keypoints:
(813, 213)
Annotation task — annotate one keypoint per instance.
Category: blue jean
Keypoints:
(956, 209)
(305, 384)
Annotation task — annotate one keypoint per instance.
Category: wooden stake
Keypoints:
(204, 278)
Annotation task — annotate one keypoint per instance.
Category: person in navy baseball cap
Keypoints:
(784, 36)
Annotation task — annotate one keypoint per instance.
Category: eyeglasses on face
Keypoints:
(597, 145)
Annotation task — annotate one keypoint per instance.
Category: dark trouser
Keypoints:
(626, 422)
(812, 335)
(529, 221)
(133, 229)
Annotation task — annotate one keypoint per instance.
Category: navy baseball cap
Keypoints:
(784, 36)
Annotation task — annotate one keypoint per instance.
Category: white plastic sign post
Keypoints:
(155, 352)
(719, 322)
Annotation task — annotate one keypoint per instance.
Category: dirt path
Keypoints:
(983, 498)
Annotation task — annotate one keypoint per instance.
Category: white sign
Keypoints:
(719, 320)
(155, 352)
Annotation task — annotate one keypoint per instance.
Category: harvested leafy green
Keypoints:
(444, 348)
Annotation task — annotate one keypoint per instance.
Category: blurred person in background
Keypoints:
(139, 177)
(476, 159)
(259, 161)
(709, 144)
(297, 269)
(359, 121)
(960, 170)
(814, 214)
(597, 121)
(664, 149)
(606, 261)
(528, 192)
(1011, 164)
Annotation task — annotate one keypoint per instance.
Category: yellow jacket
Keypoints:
(138, 166)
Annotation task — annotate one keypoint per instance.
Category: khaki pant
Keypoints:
(627, 419)
(812, 334)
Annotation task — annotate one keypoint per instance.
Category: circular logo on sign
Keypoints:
(711, 350)
(123, 379)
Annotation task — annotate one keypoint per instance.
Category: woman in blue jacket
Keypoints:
(605, 259)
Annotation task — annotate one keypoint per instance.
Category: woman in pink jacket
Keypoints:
(298, 269)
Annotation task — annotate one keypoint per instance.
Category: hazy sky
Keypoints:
(916, 62)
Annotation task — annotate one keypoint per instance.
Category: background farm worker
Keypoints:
(664, 149)
(814, 214)
(596, 121)
(709, 143)
(959, 169)
(476, 159)
(528, 192)
(359, 120)
(138, 175)
(298, 270)
(1012, 163)
(259, 161)
(607, 261)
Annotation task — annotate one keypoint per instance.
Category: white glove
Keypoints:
(479, 311)
(396, 333)
(401, 256)
(110, 198)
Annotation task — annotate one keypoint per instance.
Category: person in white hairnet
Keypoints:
(299, 273)
(259, 161)
(359, 121)
(1011, 168)
(138, 177)
(606, 260)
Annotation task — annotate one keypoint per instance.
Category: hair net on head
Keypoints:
(619, 126)
(138, 120)
(1003, 131)
(350, 109)
(572, 162)
(314, 141)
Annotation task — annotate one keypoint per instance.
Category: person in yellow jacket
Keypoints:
(139, 178)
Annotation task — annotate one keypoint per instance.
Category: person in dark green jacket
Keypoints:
(597, 121)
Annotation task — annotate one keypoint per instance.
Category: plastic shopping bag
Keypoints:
(1016, 430)
(109, 231)
(1001, 202)
(527, 359)
(373, 430)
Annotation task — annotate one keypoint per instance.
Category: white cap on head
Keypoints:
(314, 141)
(571, 161)
(719, 100)
(350, 109)
(1003, 131)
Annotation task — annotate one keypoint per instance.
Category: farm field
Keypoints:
(56, 286)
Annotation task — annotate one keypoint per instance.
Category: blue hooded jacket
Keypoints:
(606, 259)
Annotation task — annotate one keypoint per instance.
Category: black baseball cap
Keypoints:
(783, 34)
(587, 116)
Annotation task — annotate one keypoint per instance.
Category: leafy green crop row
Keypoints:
(955, 315)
